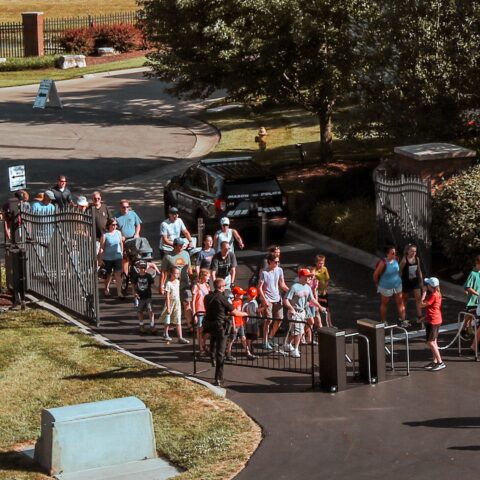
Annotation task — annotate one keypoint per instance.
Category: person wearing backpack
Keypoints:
(389, 284)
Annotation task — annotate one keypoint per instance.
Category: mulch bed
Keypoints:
(95, 60)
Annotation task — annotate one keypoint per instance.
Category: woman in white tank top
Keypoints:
(226, 234)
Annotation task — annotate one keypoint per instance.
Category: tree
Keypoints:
(302, 51)
(421, 69)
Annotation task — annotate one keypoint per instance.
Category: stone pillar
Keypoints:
(33, 34)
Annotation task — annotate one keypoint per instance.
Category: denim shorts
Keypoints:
(389, 292)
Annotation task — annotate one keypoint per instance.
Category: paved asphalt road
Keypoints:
(123, 135)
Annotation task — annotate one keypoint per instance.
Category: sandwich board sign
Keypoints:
(47, 95)
(17, 178)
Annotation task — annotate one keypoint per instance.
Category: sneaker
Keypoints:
(212, 361)
(251, 357)
(288, 347)
(218, 383)
(315, 342)
(183, 341)
(438, 366)
(404, 323)
(167, 337)
(429, 366)
(272, 342)
(230, 358)
(267, 346)
(295, 353)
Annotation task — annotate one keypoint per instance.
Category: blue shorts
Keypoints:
(200, 320)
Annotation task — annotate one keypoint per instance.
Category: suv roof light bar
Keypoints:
(223, 161)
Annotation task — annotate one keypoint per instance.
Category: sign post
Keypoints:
(47, 95)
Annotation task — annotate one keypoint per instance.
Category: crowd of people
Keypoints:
(206, 294)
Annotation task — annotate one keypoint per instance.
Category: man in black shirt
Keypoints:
(63, 196)
(217, 323)
(102, 214)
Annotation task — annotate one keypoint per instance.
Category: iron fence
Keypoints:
(54, 27)
(11, 40)
(404, 213)
(60, 264)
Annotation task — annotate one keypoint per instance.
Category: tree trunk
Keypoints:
(326, 137)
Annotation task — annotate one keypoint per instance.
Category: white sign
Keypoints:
(47, 95)
(17, 178)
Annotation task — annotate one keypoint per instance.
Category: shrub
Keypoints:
(352, 222)
(456, 218)
(28, 63)
(78, 40)
(122, 37)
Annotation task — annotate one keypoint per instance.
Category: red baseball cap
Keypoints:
(252, 292)
(238, 291)
(305, 272)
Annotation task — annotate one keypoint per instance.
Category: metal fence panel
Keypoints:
(54, 27)
(404, 213)
(61, 260)
(11, 40)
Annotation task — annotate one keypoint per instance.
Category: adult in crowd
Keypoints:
(129, 224)
(101, 213)
(224, 265)
(217, 324)
(227, 234)
(205, 256)
(270, 287)
(172, 228)
(389, 284)
(82, 203)
(180, 259)
(412, 275)
(472, 290)
(111, 253)
(11, 213)
(254, 279)
(36, 206)
(62, 194)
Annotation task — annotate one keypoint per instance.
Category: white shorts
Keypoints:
(389, 292)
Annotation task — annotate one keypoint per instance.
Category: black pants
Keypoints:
(218, 343)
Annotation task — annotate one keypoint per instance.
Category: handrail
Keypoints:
(407, 346)
(461, 318)
(367, 343)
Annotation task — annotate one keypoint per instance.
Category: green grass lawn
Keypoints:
(12, 9)
(45, 363)
(27, 77)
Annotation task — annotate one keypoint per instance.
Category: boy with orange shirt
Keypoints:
(238, 327)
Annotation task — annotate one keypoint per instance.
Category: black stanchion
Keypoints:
(331, 348)
(375, 332)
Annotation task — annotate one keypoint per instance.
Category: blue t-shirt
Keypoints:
(204, 258)
(127, 223)
(390, 277)
(299, 295)
(172, 230)
(112, 249)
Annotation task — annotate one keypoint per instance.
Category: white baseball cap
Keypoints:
(224, 221)
(432, 281)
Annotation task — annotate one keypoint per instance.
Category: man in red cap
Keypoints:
(296, 302)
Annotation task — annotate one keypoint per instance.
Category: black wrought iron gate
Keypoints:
(404, 213)
(61, 260)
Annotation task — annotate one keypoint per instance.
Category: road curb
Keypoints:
(327, 244)
(87, 330)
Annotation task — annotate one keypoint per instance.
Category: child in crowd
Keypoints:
(320, 287)
(432, 302)
(200, 289)
(252, 322)
(312, 314)
(172, 312)
(238, 330)
(142, 282)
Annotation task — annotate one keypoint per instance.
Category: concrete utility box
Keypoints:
(92, 435)
(331, 349)
(375, 332)
(435, 160)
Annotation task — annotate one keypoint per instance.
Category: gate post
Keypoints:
(33, 38)
(331, 348)
(375, 332)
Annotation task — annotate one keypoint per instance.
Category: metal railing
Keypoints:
(462, 319)
(354, 358)
(391, 352)
(11, 40)
(279, 357)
